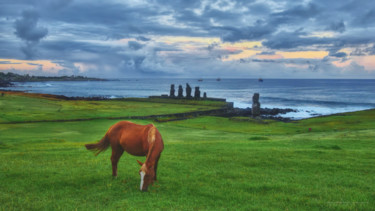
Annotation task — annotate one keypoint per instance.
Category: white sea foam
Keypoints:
(303, 112)
(308, 112)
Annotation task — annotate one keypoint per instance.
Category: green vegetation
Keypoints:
(209, 163)
(21, 107)
(6, 78)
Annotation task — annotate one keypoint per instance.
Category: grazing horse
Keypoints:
(138, 140)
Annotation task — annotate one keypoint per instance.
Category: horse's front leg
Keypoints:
(156, 167)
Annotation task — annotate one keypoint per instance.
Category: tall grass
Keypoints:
(19, 107)
(209, 163)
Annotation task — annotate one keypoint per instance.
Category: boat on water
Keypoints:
(260, 80)
(200, 80)
(218, 79)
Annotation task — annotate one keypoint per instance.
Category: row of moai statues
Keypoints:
(197, 93)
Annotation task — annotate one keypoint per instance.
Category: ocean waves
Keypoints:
(309, 97)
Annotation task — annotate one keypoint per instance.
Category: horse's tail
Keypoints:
(101, 146)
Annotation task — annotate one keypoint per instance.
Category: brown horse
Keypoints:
(138, 140)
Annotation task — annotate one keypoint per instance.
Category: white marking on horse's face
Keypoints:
(142, 177)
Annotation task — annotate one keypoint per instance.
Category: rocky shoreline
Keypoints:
(265, 113)
(229, 111)
(5, 83)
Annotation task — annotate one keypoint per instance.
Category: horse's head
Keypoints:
(147, 176)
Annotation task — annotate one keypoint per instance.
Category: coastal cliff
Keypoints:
(6, 79)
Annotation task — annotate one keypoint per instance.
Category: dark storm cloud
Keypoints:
(368, 50)
(259, 8)
(289, 40)
(65, 46)
(264, 60)
(263, 28)
(10, 49)
(267, 53)
(295, 14)
(232, 34)
(122, 20)
(371, 50)
(142, 38)
(337, 26)
(360, 12)
(368, 18)
(178, 4)
(223, 17)
(339, 54)
(117, 19)
(27, 29)
(99, 13)
(135, 45)
(88, 32)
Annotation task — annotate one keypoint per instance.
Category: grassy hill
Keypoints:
(209, 163)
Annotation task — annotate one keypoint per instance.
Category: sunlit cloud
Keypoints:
(269, 57)
(342, 64)
(368, 62)
(303, 54)
(184, 39)
(322, 34)
(26, 65)
(244, 45)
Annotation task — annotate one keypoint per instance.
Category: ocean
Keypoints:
(310, 97)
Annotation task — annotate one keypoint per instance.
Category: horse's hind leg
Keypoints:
(116, 154)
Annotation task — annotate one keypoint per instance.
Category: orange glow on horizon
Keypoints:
(243, 45)
(342, 64)
(303, 54)
(182, 39)
(265, 56)
(368, 62)
(27, 65)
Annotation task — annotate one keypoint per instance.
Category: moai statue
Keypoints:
(204, 95)
(197, 93)
(188, 91)
(180, 91)
(171, 93)
(256, 105)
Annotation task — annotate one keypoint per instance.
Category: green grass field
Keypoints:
(209, 163)
(21, 107)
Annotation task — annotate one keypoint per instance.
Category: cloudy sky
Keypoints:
(189, 38)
